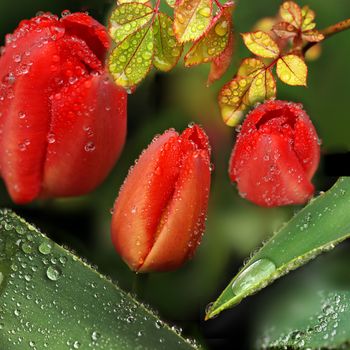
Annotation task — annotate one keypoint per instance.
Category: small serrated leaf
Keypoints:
(291, 13)
(285, 30)
(206, 48)
(167, 50)
(312, 36)
(221, 63)
(191, 19)
(263, 87)
(308, 16)
(261, 44)
(127, 19)
(292, 70)
(131, 60)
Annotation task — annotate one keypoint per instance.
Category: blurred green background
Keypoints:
(234, 227)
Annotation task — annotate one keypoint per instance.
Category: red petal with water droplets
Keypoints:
(276, 155)
(159, 214)
(87, 133)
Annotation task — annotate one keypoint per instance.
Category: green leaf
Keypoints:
(292, 70)
(171, 3)
(131, 60)
(318, 227)
(214, 42)
(191, 19)
(309, 309)
(308, 18)
(167, 50)
(127, 19)
(261, 44)
(51, 299)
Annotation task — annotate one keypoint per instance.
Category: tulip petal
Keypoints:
(182, 223)
(87, 133)
(144, 194)
(271, 174)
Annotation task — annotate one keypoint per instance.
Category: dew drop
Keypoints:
(53, 273)
(45, 248)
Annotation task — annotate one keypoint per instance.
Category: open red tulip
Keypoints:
(159, 215)
(62, 120)
(276, 155)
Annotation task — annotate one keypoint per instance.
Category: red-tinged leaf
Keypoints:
(128, 18)
(308, 19)
(285, 30)
(214, 42)
(221, 63)
(312, 36)
(167, 50)
(261, 44)
(291, 13)
(292, 70)
(192, 19)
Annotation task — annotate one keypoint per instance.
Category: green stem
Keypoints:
(139, 284)
(330, 31)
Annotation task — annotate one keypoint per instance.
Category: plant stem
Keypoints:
(139, 284)
(330, 31)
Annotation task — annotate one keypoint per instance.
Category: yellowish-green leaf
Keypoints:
(308, 16)
(127, 19)
(261, 44)
(312, 36)
(171, 3)
(191, 19)
(291, 13)
(167, 50)
(292, 70)
(215, 41)
(131, 60)
(285, 30)
(250, 67)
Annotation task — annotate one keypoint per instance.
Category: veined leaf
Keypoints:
(285, 30)
(292, 70)
(167, 50)
(291, 13)
(214, 42)
(191, 19)
(253, 83)
(312, 36)
(50, 299)
(261, 44)
(127, 19)
(322, 224)
(131, 60)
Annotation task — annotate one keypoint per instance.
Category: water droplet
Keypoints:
(205, 11)
(45, 248)
(253, 275)
(53, 273)
(95, 336)
(221, 28)
(89, 147)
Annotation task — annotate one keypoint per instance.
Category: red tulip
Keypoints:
(276, 155)
(62, 120)
(159, 215)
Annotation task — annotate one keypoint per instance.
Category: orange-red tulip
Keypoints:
(159, 215)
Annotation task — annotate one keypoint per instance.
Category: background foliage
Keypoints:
(234, 227)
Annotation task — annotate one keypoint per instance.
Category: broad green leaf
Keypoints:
(285, 30)
(322, 224)
(50, 299)
(308, 19)
(261, 44)
(191, 19)
(131, 60)
(167, 50)
(312, 36)
(292, 70)
(310, 309)
(214, 42)
(254, 83)
(291, 13)
(127, 19)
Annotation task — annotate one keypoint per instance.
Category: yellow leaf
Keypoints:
(312, 36)
(291, 13)
(308, 18)
(261, 44)
(292, 70)
(263, 87)
(191, 19)
(214, 42)
(250, 67)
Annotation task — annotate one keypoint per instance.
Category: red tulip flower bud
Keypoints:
(159, 215)
(276, 154)
(62, 120)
